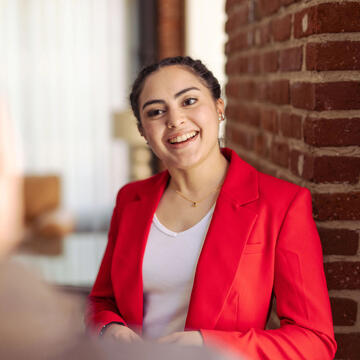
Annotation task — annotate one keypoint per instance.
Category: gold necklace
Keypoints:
(195, 203)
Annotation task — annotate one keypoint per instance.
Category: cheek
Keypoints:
(205, 115)
(153, 132)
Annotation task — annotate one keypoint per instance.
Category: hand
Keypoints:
(122, 333)
(186, 338)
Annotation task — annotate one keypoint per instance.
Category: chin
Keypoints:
(187, 162)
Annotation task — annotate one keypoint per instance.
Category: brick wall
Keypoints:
(294, 112)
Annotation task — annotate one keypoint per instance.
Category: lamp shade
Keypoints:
(125, 127)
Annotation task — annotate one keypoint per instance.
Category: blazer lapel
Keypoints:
(132, 238)
(228, 232)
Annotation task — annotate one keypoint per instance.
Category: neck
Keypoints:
(201, 178)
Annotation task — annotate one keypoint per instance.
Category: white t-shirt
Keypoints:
(169, 266)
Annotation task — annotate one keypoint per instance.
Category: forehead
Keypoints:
(169, 80)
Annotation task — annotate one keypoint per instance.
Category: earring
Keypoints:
(221, 117)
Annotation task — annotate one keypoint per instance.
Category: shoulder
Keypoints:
(273, 186)
(264, 187)
(280, 195)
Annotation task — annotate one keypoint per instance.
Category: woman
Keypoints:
(203, 246)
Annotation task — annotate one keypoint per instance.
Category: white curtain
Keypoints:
(65, 68)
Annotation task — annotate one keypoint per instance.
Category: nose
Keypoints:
(175, 119)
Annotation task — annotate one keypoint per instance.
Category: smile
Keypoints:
(183, 138)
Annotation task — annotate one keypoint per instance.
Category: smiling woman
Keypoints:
(196, 252)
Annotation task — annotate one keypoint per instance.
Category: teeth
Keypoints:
(182, 137)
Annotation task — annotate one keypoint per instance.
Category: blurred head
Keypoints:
(178, 109)
(11, 215)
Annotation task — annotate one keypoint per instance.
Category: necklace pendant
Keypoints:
(194, 204)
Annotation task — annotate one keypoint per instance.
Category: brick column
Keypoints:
(171, 32)
(294, 112)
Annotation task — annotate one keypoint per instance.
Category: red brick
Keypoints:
(341, 95)
(232, 89)
(333, 55)
(266, 7)
(229, 5)
(294, 161)
(302, 95)
(262, 147)
(229, 46)
(232, 4)
(261, 91)
(239, 42)
(281, 28)
(254, 64)
(246, 114)
(328, 18)
(265, 32)
(279, 153)
(305, 22)
(336, 206)
(230, 111)
(339, 241)
(332, 132)
(339, 17)
(278, 92)
(291, 59)
(348, 346)
(270, 61)
(231, 67)
(342, 275)
(302, 164)
(237, 18)
(247, 90)
(344, 311)
(269, 120)
(290, 125)
(243, 138)
(242, 65)
(344, 95)
(338, 169)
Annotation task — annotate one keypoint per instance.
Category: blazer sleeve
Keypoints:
(302, 301)
(101, 307)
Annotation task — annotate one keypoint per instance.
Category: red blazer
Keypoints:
(262, 240)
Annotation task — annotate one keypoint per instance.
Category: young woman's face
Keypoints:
(179, 117)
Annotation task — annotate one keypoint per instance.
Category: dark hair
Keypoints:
(195, 66)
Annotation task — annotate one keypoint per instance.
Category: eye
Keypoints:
(155, 112)
(189, 101)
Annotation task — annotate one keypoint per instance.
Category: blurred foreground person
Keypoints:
(37, 321)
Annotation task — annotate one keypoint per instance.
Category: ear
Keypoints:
(220, 106)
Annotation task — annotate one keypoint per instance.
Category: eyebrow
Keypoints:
(158, 101)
